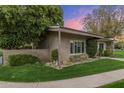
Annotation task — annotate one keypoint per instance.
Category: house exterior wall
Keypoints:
(65, 44)
(51, 43)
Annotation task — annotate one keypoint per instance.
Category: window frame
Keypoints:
(81, 47)
(104, 45)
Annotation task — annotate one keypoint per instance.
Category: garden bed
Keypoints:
(68, 64)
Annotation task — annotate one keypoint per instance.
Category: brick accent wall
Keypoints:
(43, 54)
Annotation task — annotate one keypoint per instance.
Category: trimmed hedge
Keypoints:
(22, 59)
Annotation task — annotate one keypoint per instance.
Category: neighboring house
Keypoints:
(72, 42)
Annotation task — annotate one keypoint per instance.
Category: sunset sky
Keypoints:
(73, 14)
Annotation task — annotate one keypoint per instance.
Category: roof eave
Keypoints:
(72, 31)
(106, 39)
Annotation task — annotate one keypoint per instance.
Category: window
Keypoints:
(76, 47)
(101, 46)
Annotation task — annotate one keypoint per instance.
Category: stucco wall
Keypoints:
(51, 42)
(65, 44)
(43, 54)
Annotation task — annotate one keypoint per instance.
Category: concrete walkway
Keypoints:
(120, 59)
(81, 82)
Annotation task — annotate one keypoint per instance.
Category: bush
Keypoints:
(119, 45)
(22, 59)
(91, 48)
(76, 58)
(54, 55)
(108, 52)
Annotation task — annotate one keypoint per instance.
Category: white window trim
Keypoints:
(81, 48)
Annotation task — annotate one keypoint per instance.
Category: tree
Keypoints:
(106, 20)
(20, 25)
(119, 45)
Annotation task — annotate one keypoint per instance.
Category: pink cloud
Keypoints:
(75, 23)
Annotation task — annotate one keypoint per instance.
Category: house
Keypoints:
(69, 42)
(73, 42)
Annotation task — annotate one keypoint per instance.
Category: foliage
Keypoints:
(20, 25)
(22, 59)
(77, 58)
(119, 45)
(108, 52)
(106, 20)
(91, 48)
(54, 55)
(26, 46)
(40, 73)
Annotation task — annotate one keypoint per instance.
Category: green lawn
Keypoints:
(117, 84)
(38, 72)
(118, 54)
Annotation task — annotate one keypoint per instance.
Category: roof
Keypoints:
(106, 39)
(74, 31)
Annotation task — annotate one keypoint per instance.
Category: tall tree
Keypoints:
(20, 25)
(106, 20)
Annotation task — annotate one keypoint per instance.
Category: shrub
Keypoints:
(91, 47)
(108, 52)
(119, 45)
(22, 59)
(54, 55)
(76, 58)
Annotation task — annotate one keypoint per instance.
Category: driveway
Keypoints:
(81, 82)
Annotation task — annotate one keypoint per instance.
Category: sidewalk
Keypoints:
(119, 59)
(81, 82)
